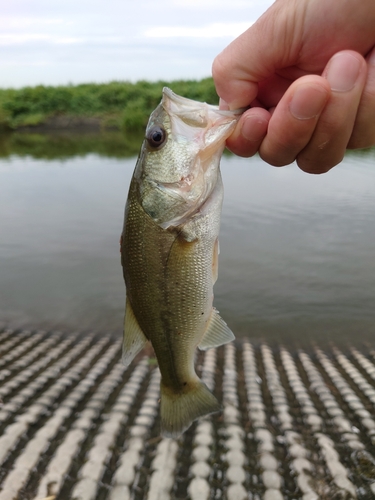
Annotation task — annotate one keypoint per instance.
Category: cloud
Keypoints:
(215, 30)
(215, 4)
(16, 22)
(19, 39)
(28, 38)
(89, 40)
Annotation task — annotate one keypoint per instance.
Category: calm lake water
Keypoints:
(297, 256)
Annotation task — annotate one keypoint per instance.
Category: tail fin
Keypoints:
(179, 410)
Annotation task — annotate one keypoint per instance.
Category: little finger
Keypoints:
(346, 74)
(363, 135)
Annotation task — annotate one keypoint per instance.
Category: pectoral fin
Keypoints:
(217, 333)
(134, 338)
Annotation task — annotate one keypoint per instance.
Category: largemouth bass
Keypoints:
(169, 249)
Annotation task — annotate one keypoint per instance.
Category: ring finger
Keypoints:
(294, 120)
(346, 74)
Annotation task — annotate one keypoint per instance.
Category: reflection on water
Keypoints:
(68, 144)
(299, 258)
(297, 251)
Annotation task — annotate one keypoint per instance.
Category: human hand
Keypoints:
(307, 68)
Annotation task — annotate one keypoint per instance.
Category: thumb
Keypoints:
(252, 57)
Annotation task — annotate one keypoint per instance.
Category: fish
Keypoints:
(170, 248)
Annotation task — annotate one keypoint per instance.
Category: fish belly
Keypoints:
(169, 282)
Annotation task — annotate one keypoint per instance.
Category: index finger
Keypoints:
(252, 58)
(232, 84)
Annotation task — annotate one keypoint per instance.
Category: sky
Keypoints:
(54, 42)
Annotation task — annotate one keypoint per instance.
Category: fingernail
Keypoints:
(307, 102)
(342, 72)
(253, 129)
(223, 105)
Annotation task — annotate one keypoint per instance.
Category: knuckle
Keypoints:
(311, 168)
(318, 163)
(277, 152)
(275, 160)
(360, 140)
(219, 70)
(245, 151)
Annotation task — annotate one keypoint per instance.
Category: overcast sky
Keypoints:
(73, 41)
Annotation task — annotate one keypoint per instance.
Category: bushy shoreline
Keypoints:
(118, 105)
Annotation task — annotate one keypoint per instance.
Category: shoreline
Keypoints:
(68, 123)
(114, 105)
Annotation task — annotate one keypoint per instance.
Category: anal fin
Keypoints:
(217, 333)
(134, 338)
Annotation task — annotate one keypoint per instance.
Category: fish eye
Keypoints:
(156, 136)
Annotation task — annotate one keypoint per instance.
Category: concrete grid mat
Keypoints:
(297, 423)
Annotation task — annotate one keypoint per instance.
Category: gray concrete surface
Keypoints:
(75, 424)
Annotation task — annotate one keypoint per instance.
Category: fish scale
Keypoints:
(169, 250)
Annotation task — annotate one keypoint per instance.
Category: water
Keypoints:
(297, 251)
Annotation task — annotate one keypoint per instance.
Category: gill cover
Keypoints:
(178, 166)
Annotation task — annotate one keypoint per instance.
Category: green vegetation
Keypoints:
(121, 105)
(69, 144)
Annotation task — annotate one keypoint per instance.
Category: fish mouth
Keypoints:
(204, 123)
(180, 101)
